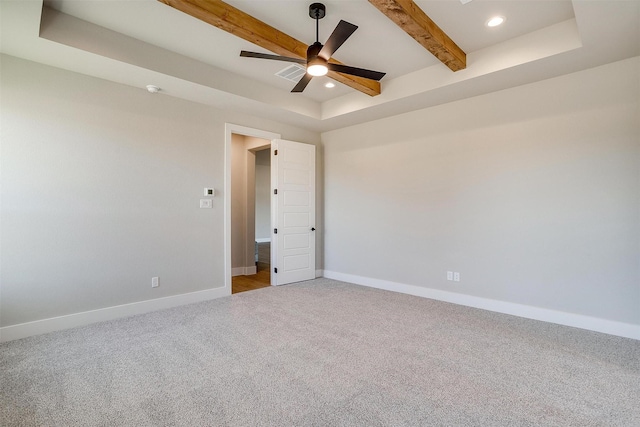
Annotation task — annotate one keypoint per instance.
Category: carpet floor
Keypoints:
(321, 353)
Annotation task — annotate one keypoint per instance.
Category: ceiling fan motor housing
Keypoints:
(313, 51)
(316, 65)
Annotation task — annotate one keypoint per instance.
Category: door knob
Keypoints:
(313, 229)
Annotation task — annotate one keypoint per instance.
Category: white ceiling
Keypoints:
(140, 42)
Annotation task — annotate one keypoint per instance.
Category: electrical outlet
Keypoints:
(449, 275)
(456, 276)
(155, 282)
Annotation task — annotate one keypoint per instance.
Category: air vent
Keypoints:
(293, 73)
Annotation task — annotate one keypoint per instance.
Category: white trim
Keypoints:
(23, 330)
(244, 271)
(611, 327)
(229, 129)
(274, 212)
(263, 240)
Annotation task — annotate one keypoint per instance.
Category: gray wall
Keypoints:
(100, 190)
(532, 194)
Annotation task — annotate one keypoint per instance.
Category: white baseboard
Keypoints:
(264, 240)
(611, 327)
(23, 330)
(244, 271)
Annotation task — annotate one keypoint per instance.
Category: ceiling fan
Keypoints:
(318, 55)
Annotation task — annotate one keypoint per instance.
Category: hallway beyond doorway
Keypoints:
(262, 278)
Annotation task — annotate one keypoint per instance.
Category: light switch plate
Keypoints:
(206, 203)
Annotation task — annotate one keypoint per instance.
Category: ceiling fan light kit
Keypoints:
(316, 66)
(318, 55)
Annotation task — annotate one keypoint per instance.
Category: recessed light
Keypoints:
(329, 85)
(495, 21)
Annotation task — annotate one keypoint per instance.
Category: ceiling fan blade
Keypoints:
(304, 81)
(274, 57)
(340, 34)
(360, 72)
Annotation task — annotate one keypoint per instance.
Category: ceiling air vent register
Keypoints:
(292, 73)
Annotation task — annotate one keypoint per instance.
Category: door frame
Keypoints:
(230, 129)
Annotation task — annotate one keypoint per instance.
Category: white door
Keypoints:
(293, 254)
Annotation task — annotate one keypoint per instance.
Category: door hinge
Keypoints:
(275, 270)
(275, 231)
(275, 153)
(275, 191)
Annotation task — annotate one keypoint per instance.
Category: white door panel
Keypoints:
(296, 177)
(293, 254)
(295, 198)
(297, 241)
(296, 219)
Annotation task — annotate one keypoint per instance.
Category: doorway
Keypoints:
(292, 208)
(248, 214)
(255, 272)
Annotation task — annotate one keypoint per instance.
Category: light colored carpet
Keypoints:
(321, 353)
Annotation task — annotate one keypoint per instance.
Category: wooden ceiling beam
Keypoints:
(408, 16)
(245, 26)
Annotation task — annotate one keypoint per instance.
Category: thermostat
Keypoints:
(209, 192)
